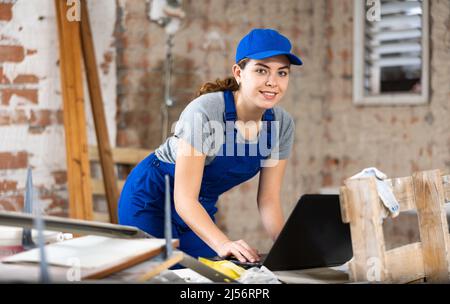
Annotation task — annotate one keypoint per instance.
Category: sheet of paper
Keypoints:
(89, 251)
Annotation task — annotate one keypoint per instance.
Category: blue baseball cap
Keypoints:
(265, 43)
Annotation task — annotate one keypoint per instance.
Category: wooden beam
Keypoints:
(366, 217)
(99, 189)
(157, 269)
(433, 225)
(127, 263)
(78, 175)
(125, 156)
(405, 263)
(345, 209)
(403, 191)
(101, 129)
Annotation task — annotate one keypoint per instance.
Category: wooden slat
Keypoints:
(169, 262)
(345, 210)
(433, 225)
(403, 191)
(406, 263)
(107, 165)
(100, 217)
(99, 189)
(124, 264)
(80, 197)
(366, 230)
(125, 156)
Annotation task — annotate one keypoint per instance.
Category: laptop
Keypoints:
(314, 236)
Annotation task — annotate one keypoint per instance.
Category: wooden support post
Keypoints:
(104, 147)
(362, 208)
(78, 175)
(430, 200)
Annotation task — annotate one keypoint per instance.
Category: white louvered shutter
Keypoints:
(393, 48)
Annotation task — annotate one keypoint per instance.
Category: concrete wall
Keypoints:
(31, 118)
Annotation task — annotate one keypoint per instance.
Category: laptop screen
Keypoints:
(313, 236)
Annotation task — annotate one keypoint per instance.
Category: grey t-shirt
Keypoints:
(201, 124)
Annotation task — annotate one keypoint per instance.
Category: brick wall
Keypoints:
(334, 139)
(31, 118)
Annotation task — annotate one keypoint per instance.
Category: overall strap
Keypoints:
(230, 108)
(269, 116)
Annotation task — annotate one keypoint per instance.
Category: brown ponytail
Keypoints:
(222, 84)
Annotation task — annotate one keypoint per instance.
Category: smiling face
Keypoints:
(263, 82)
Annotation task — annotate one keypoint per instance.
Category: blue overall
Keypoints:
(141, 202)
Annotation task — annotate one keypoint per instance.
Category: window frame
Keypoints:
(359, 97)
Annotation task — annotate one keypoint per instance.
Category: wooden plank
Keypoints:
(107, 165)
(403, 191)
(157, 269)
(343, 199)
(406, 263)
(99, 189)
(433, 225)
(78, 177)
(100, 217)
(125, 156)
(366, 216)
(125, 263)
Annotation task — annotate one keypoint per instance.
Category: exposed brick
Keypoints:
(5, 118)
(31, 52)
(36, 130)
(11, 53)
(127, 138)
(327, 180)
(57, 202)
(8, 185)
(60, 177)
(26, 78)
(41, 118)
(9, 160)
(3, 79)
(29, 94)
(13, 117)
(19, 117)
(12, 203)
(107, 59)
(5, 11)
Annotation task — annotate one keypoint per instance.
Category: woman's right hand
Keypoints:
(240, 249)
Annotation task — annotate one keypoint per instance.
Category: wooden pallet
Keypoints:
(426, 192)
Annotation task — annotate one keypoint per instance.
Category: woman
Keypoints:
(224, 137)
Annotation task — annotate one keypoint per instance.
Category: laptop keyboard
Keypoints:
(245, 265)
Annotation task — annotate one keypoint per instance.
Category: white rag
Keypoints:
(261, 275)
(384, 192)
